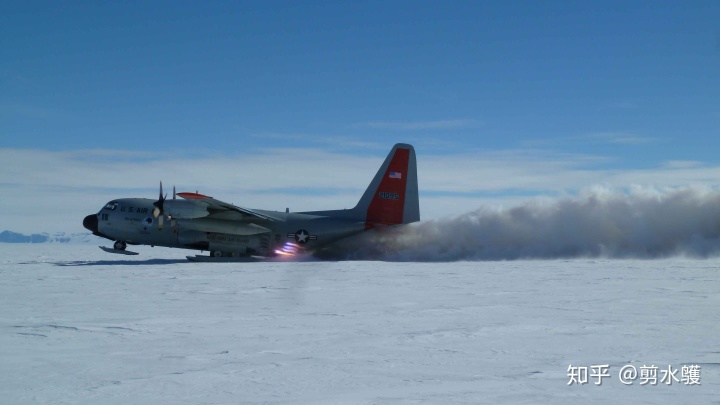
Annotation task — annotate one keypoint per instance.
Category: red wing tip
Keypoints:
(195, 196)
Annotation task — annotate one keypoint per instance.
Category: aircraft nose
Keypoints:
(91, 223)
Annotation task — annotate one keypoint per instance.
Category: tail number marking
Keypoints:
(389, 196)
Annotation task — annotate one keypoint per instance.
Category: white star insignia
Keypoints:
(302, 237)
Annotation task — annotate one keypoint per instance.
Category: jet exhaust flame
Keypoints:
(289, 249)
(644, 223)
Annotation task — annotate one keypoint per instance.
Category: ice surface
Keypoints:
(83, 326)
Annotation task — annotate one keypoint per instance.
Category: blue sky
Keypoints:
(606, 90)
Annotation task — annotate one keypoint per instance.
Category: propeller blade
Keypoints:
(159, 210)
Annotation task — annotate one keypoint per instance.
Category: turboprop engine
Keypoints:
(177, 209)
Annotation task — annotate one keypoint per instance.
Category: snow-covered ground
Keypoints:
(78, 325)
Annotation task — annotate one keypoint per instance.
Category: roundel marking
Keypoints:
(302, 236)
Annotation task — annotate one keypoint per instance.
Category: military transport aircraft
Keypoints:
(231, 233)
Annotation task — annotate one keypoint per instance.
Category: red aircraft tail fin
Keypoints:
(392, 197)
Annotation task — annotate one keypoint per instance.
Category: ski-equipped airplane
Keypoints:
(230, 232)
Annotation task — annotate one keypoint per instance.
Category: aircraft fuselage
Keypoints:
(131, 220)
(200, 222)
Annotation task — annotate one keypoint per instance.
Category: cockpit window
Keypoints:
(111, 205)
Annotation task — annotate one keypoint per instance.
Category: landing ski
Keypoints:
(118, 252)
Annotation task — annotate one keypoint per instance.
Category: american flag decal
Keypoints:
(395, 175)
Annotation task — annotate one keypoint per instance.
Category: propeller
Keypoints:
(172, 219)
(159, 206)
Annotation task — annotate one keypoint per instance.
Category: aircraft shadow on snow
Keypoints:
(155, 262)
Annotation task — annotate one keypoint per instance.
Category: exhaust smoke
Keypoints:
(642, 223)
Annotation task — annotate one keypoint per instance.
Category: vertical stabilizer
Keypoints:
(392, 197)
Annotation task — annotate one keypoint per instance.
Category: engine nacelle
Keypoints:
(185, 209)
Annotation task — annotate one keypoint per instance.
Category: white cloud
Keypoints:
(338, 142)
(31, 111)
(52, 191)
(624, 138)
(615, 138)
(682, 164)
(423, 125)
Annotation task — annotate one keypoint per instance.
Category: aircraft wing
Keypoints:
(221, 226)
(220, 206)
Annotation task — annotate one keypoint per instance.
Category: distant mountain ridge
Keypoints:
(58, 237)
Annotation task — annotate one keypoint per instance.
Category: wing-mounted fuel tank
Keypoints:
(185, 209)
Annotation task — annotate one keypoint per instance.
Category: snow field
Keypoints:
(83, 326)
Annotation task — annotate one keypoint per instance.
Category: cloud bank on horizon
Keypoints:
(53, 190)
